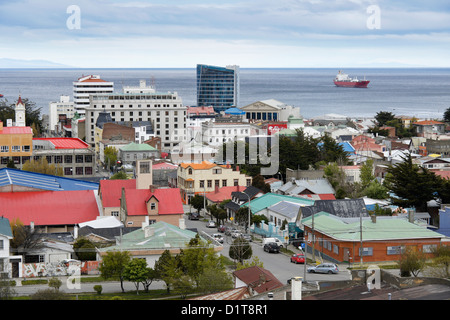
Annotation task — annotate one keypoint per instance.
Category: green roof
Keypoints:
(269, 199)
(385, 228)
(137, 147)
(165, 236)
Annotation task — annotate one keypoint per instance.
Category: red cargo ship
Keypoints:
(343, 80)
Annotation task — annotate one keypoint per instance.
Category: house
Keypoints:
(429, 128)
(10, 266)
(282, 212)
(131, 152)
(104, 229)
(150, 241)
(383, 238)
(444, 221)
(262, 203)
(344, 208)
(256, 279)
(240, 197)
(307, 187)
(205, 177)
(154, 205)
(221, 194)
(50, 211)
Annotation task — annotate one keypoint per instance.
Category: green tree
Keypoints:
(110, 154)
(167, 269)
(198, 202)
(240, 250)
(412, 261)
(440, 263)
(136, 271)
(383, 117)
(84, 249)
(447, 115)
(255, 262)
(258, 182)
(405, 178)
(42, 166)
(120, 175)
(214, 280)
(113, 264)
(338, 180)
(331, 151)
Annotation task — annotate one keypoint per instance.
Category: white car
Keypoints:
(211, 224)
(218, 237)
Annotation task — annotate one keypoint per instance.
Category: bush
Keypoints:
(48, 294)
(54, 283)
(98, 288)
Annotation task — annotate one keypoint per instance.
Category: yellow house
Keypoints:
(201, 178)
(16, 143)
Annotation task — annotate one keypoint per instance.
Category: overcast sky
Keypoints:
(249, 33)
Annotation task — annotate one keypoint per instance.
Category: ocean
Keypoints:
(422, 93)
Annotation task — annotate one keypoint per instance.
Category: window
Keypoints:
(190, 171)
(79, 171)
(224, 182)
(4, 149)
(88, 171)
(366, 252)
(144, 167)
(67, 171)
(115, 213)
(26, 148)
(58, 159)
(217, 183)
(217, 171)
(236, 182)
(15, 148)
(209, 183)
(202, 183)
(88, 158)
(429, 248)
(79, 158)
(67, 159)
(395, 250)
(152, 206)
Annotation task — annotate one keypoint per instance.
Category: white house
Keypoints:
(10, 266)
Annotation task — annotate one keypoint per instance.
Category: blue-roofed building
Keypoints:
(12, 180)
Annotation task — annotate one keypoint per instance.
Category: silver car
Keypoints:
(324, 268)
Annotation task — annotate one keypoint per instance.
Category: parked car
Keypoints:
(230, 231)
(298, 258)
(211, 224)
(324, 268)
(221, 228)
(194, 216)
(272, 247)
(218, 237)
(246, 236)
(235, 234)
(276, 240)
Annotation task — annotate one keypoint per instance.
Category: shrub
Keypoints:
(98, 288)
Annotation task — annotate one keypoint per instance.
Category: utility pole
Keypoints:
(361, 237)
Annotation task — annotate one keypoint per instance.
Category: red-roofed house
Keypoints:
(154, 205)
(52, 211)
(224, 193)
(429, 128)
(256, 279)
(135, 201)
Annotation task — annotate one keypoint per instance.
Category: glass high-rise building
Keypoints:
(217, 86)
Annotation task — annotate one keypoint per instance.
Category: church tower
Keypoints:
(20, 113)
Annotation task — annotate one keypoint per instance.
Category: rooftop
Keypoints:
(65, 143)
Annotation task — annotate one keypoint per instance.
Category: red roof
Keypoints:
(50, 207)
(259, 279)
(223, 193)
(16, 130)
(169, 201)
(111, 191)
(163, 166)
(66, 143)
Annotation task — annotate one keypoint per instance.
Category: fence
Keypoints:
(48, 269)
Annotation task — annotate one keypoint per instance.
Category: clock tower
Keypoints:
(20, 113)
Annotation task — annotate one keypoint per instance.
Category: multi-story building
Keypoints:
(217, 86)
(72, 154)
(201, 178)
(217, 133)
(270, 110)
(16, 144)
(60, 112)
(86, 86)
(164, 110)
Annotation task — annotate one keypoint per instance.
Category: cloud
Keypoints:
(115, 29)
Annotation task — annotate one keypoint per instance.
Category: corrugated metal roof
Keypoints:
(66, 143)
(42, 181)
(385, 228)
(269, 199)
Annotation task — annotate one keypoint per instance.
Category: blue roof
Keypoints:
(41, 181)
(234, 111)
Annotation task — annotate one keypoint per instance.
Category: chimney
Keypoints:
(145, 223)
(411, 215)
(32, 226)
(152, 188)
(182, 224)
(149, 231)
(296, 288)
(373, 217)
(216, 189)
(237, 168)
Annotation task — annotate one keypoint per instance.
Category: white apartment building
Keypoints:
(86, 86)
(164, 110)
(217, 133)
(64, 107)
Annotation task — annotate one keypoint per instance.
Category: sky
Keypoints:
(248, 33)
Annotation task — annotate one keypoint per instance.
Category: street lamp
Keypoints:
(249, 214)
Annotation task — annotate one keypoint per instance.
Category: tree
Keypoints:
(405, 178)
(440, 262)
(120, 175)
(25, 238)
(331, 151)
(166, 268)
(198, 202)
(247, 264)
(240, 250)
(447, 115)
(258, 182)
(242, 216)
(84, 249)
(113, 265)
(338, 180)
(42, 166)
(136, 271)
(214, 280)
(151, 276)
(383, 117)
(411, 261)
(110, 154)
